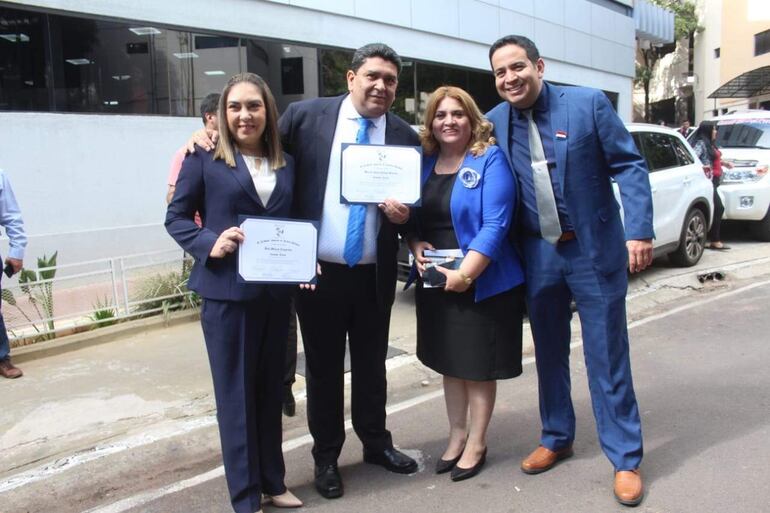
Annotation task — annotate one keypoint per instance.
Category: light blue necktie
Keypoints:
(354, 238)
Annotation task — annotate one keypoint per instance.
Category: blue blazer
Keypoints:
(481, 217)
(221, 194)
(596, 148)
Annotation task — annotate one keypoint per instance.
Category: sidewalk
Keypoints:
(153, 384)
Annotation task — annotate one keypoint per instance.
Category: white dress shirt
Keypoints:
(262, 176)
(334, 217)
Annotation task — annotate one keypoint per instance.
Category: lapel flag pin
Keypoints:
(561, 134)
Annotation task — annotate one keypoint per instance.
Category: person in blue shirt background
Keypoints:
(469, 331)
(10, 219)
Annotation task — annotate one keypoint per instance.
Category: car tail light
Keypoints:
(761, 170)
(707, 171)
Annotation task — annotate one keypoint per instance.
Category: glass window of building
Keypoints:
(762, 43)
(23, 74)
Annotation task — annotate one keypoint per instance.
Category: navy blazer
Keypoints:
(221, 194)
(307, 132)
(595, 149)
(481, 217)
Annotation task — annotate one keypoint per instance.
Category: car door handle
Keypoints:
(687, 180)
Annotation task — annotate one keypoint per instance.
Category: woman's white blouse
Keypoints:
(262, 175)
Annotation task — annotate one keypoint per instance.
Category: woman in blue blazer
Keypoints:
(470, 330)
(244, 324)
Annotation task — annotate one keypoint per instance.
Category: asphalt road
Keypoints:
(128, 426)
(701, 380)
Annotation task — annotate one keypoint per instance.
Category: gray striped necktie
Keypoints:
(550, 228)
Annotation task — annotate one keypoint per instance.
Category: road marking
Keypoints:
(289, 445)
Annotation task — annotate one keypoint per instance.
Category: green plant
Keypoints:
(40, 295)
(104, 314)
(166, 284)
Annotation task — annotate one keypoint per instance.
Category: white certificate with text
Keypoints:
(372, 173)
(277, 250)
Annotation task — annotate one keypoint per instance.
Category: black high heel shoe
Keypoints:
(443, 466)
(459, 473)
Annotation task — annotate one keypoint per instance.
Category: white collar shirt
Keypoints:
(334, 217)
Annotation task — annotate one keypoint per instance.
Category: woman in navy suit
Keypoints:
(469, 331)
(244, 324)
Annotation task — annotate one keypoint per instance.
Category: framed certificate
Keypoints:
(276, 250)
(372, 173)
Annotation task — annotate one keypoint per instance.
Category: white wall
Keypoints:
(91, 186)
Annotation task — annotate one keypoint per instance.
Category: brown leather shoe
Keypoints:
(9, 370)
(543, 459)
(629, 490)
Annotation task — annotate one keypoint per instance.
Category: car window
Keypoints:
(659, 151)
(639, 146)
(743, 133)
(685, 158)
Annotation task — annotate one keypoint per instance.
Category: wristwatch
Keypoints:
(467, 279)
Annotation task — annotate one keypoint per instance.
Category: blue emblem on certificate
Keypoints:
(469, 177)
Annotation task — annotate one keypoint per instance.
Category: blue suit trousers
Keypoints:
(555, 276)
(246, 344)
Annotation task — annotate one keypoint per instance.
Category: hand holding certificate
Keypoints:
(277, 250)
(372, 173)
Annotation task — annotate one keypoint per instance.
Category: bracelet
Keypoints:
(467, 279)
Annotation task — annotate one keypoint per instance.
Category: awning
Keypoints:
(748, 85)
(654, 24)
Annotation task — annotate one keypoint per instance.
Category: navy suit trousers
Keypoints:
(246, 343)
(556, 275)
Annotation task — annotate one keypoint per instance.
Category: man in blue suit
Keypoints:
(566, 145)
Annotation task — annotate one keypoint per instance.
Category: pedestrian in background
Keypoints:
(10, 219)
(244, 324)
(711, 158)
(208, 110)
(566, 146)
(470, 330)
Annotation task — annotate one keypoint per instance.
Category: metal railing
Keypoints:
(96, 293)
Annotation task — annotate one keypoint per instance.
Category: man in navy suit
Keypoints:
(566, 145)
(356, 288)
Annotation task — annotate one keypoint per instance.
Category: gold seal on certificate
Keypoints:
(372, 173)
(277, 250)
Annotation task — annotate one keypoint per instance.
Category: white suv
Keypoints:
(744, 138)
(682, 195)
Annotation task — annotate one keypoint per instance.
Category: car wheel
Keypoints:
(760, 230)
(692, 241)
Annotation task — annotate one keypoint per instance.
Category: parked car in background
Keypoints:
(682, 197)
(682, 194)
(744, 139)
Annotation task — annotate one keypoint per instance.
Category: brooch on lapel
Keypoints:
(469, 177)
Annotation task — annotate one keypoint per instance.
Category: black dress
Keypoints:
(456, 336)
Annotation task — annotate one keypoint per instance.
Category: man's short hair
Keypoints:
(380, 50)
(524, 42)
(209, 105)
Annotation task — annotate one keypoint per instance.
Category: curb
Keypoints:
(100, 336)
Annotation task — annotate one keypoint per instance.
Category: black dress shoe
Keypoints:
(443, 466)
(392, 459)
(459, 473)
(289, 405)
(328, 481)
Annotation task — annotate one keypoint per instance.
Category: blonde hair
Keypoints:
(271, 139)
(481, 128)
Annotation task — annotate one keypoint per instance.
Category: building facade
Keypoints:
(732, 57)
(96, 95)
